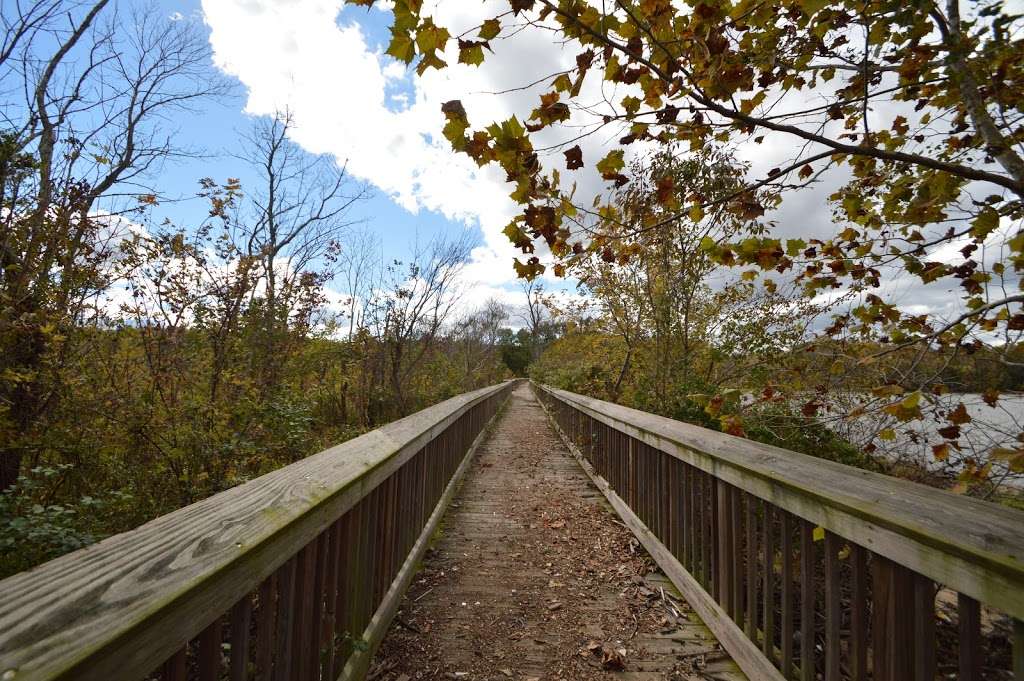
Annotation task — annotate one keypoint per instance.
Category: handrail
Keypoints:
(721, 508)
(292, 569)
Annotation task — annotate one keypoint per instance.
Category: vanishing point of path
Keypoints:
(532, 577)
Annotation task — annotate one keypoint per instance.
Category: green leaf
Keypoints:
(471, 53)
(402, 47)
(430, 37)
(985, 223)
(612, 163)
(490, 29)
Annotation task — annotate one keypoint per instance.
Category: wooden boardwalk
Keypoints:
(532, 577)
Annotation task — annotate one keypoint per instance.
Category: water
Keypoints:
(989, 428)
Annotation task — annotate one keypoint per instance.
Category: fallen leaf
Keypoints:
(613, 658)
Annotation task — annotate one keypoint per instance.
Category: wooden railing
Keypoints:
(804, 568)
(292, 576)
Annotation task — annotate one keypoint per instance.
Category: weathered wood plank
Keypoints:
(972, 546)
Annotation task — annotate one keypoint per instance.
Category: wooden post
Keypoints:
(969, 611)
(924, 628)
(209, 652)
(892, 620)
(241, 616)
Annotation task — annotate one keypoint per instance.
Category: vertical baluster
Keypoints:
(265, 628)
(176, 666)
(651, 488)
(362, 589)
(705, 529)
(641, 481)
(924, 628)
(1018, 650)
(768, 641)
(736, 516)
(858, 614)
(726, 560)
(285, 616)
(806, 601)
(892, 620)
(631, 473)
(241, 616)
(698, 530)
(752, 568)
(833, 616)
(208, 659)
(303, 620)
(316, 637)
(347, 557)
(330, 622)
(675, 505)
(787, 594)
(715, 532)
(687, 520)
(969, 611)
(664, 500)
(385, 530)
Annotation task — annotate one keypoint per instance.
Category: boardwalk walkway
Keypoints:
(532, 578)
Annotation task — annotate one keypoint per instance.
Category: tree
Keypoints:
(534, 315)
(515, 350)
(293, 224)
(98, 89)
(474, 345)
(933, 192)
(408, 314)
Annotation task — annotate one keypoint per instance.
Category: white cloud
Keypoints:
(351, 101)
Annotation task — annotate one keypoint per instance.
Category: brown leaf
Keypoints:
(573, 158)
(959, 415)
(613, 658)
